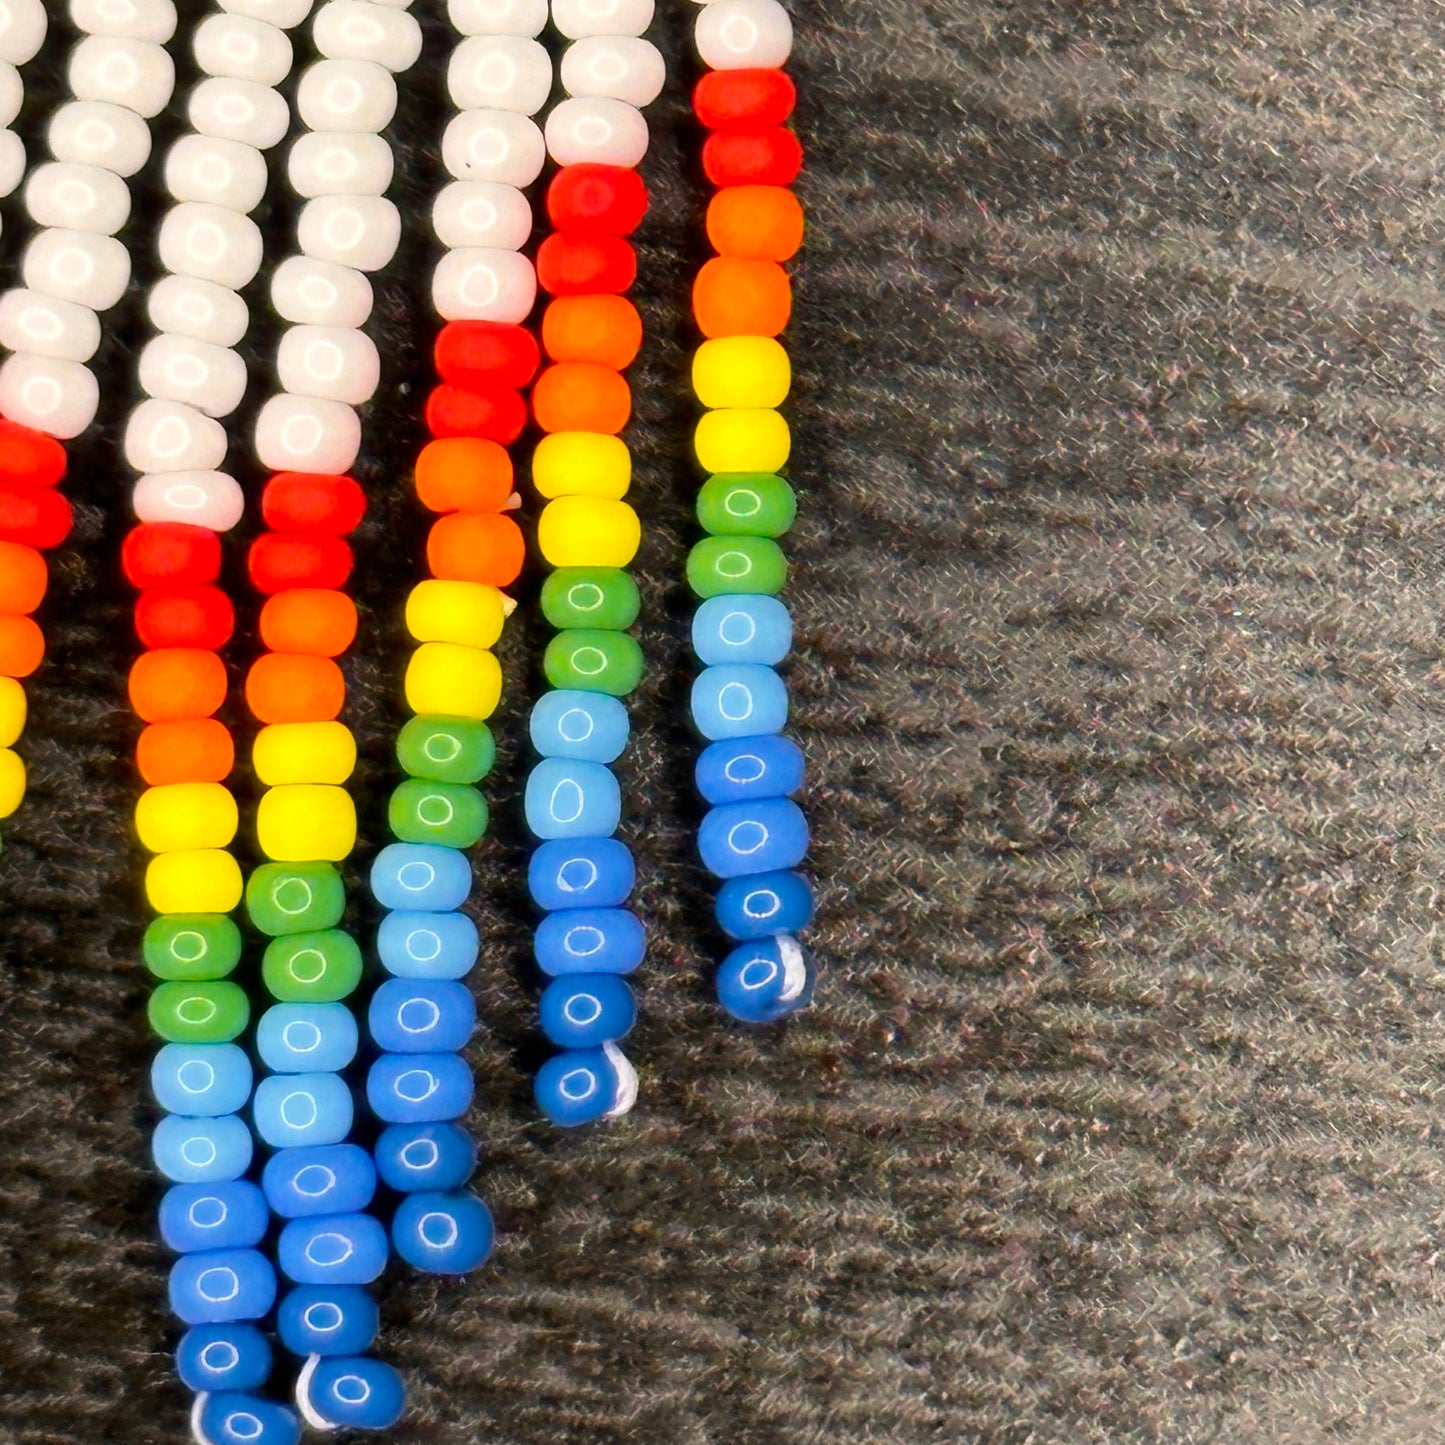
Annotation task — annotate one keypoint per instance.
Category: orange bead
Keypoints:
(287, 687)
(603, 329)
(196, 750)
(171, 683)
(581, 396)
(23, 576)
(738, 296)
(463, 474)
(476, 547)
(764, 223)
(309, 619)
(21, 645)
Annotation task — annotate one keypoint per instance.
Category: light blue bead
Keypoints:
(581, 1085)
(228, 1215)
(421, 875)
(353, 1392)
(427, 945)
(581, 873)
(589, 940)
(586, 1010)
(319, 1319)
(335, 1249)
(763, 837)
(739, 702)
(742, 770)
(223, 1357)
(420, 1016)
(307, 1038)
(419, 1088)
(411, 1157)
(589, 726)
(202, 1151)
(758, 905)
(218, 1285)
(231, 1419)
(443, 1233)
(742, 628)
(567, 799)
(329, 1179)
(293, 1110)
(765, 979)
(201, 1080)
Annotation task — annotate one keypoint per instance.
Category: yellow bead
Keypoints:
(741, 371)
(470, 613)
(742, 439)
(12, 711)
(306, 823)
(581, 464)
(588, 532)
(12, 781)
(181, 816)
(456, 681)
(307, 752)
(200, 880)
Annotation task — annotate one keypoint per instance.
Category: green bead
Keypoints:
(312, 967)
(192, 946)
(451, 814)
(746, 504)
(446, 749)
(213, 1011)
(594, 661)
(295, 897)
(605, 597)
(727, 566)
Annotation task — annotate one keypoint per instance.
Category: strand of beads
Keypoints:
(582, 875)
(753, 835)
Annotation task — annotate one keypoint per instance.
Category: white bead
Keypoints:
(497, 17)
(32, 321)
(12, 161)
(500, 72)
(493, 145)
(89, 133)
(188, 306)
(137, 74)
(595, 129)
(334, 362)
(616, 66)
(357, 231)
(22, 30)
(284, 14)
(212, 243)
(744, 35)
(203, 499)
(245, 49)
(579, 18)
(355, 30)
(77, 266)
(56, 397)
(178, 368)
(169, 436)
(216, 172)
(82, 198)
(153, 20)
(477, 284)
(12, 92)
(307, 434)
(482, 213)
(340, 163)
(346, 95)
(320, 293)
(239, 110)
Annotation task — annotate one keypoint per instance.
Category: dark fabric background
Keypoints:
(1118, 427)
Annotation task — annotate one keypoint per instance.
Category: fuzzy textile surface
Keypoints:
(1118, 432)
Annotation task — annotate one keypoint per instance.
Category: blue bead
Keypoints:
(589, 940)
(764, 980)
(421, 875)
(223, 1357)
(419, 1088)
(580, 1085)
(307, 1038)
(443, 1233)
(414, 944)
(586, 1010)
(588, 726)
(228, 1419)
(202, 1151)
(411, 1157)
(420, 1016)
(740, 770)
(329, 1179)
(581, 873)
(758, 905)
(739, 702)
(741, 629)
(352, 1392)
(339, 1249)
(317, 1319)
(229, 1215)
(222, 1284)
(293, 1110)
(763, 837)
(567, 799)
(201, 1080)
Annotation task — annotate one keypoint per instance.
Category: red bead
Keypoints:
(184, 617)
(157, 554)
(597, 198)
(37, 516)
(29, 456)
(752, 157)
(473, 354)
(495, 412)
(312, 502)
(580, 263)
(747, 99)
(281, 560)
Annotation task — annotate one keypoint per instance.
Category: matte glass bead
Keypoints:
(450, 814)
(239, 110)
(59, 398)
(589, 940)
(237, 1419)
(170, 436)
(742, 629)
(744, 99)
(427, 945)
(346, 95)
(482, 213)
(578, 18)
(744, 35)
(585, 1010)
(484, 283)
(320, 967)
(230, 1215)
(307, 433)
(356, 1392)
(739, 770)
(443, 1233)
(199, 499)
(296, 1110)
(314, 752)
(579, 1086)
(334, 362)
(223, 1357)
(32, 321)
(757, 157)
(201, 1079)
(499, 72)
(605, 597)
(581, 873)
(746, 504)
(567, 799)
(450, 680)
(760, 837)
(286, 898)
(419, 1088)
(207, 1012)
(12, 716)
(734, 701)
(192, 946)
(759, 905)
(579, 463)
(619, 66)
(718, 566)
(312, 1183)
(587, 726)
(328, 1319)
(22, 31)
(82, 198)
(302, 1038)
(446, 610)
(349, 30)
(411, 1157)
(212, 171)
(494, 145)
(741, 371)
(137, 74)
(201, 880)
(201, 1151)
(304, 821)
(211, 242)
(415, 1016)
(591, 660)
(309, 292)
(587, 532)
(742, 439)
(497, 17)
(189, 306)
(598, 130)
(77, 266)
(185, 815)
(420, 876)
(222, 1284)
(239, 46)
(765, 979)
(336, 1249)
(96, 133)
